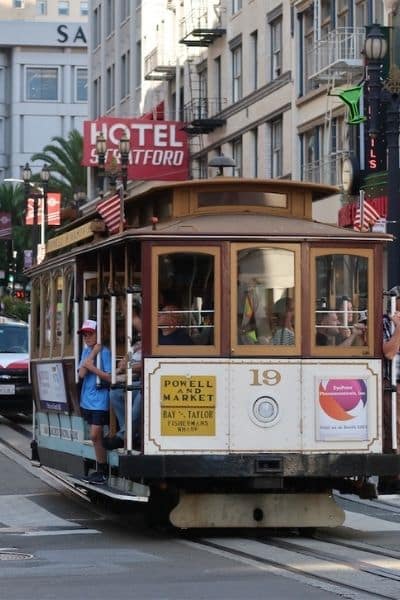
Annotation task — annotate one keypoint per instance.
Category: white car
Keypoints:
(15, 389)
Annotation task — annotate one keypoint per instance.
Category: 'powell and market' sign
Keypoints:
(159, 149)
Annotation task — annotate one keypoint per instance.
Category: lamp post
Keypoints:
(44, 176)
(124, 147)
(30, 192)
(115, 171)
(384, 102)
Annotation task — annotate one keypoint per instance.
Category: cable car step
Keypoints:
(115, 488)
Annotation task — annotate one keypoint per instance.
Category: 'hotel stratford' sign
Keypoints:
(158, 149)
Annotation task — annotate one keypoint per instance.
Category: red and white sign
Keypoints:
(159, 149)
(53, 209)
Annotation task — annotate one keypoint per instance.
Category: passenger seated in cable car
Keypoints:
(282, 322)
(328, 331)
(171, 328)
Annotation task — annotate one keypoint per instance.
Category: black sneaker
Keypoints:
(97, 478)
(113, 443)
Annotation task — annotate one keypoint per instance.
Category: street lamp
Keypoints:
(44, 176)
(30, 192)
(124, 147)
(383, 97)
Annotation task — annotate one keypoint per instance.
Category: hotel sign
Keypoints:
(158, 149)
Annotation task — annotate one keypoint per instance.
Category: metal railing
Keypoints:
(203, 108)
(326, 170)
(341, 50)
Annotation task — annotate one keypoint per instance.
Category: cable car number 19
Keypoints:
(267, 377)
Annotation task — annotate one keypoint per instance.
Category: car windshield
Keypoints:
(13, 338)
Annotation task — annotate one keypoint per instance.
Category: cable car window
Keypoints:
(248, 198)
(48, 315)
(342, 300)
(69, 311)
(59, 309)
(35, 318)
(186, 292)
(268, 308)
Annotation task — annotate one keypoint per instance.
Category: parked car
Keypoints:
(15, 389)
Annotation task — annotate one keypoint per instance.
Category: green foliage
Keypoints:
(12, 200)
(13, 307)
(64, 159)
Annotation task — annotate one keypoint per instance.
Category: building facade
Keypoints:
(43, 76)
(258, 81)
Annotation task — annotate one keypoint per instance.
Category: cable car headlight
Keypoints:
(265, 411)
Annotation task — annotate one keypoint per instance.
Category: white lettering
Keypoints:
(142, 135)
(161, 135)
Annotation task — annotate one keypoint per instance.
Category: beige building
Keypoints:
(249, 78)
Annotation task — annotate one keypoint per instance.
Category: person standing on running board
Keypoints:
(95, 399)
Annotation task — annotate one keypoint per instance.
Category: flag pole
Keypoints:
(121, 194)
(361, 205)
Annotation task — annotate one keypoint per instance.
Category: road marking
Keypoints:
(81, 531)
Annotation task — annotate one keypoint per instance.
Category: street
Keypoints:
(55, 544)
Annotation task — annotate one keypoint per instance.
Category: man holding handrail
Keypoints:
(391, 351)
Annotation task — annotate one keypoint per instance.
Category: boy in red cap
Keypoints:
(95, 399)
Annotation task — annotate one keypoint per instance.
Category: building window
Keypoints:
(125, 74)
(19, 4)
(110, 94)
(81, 92)
(204, 110)
(254, 58)
(276, 148)
(63, 8)
(237, 80)
(312, 144)
(97, 97)
(276, 48)
(237, 156)
(97, 26)
(84, 9)
(218, 82)
(307, 51)
(327, 18)
(138, 63)
(41, 83)
(254, 152)
(236, 6)
(125, 9)
(110, 17)
(41, 7)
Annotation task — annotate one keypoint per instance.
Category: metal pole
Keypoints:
(393, 382)
(393, 226)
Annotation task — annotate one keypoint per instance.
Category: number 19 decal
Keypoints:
(267, 377)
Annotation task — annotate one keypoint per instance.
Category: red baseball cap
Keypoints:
(88, 326)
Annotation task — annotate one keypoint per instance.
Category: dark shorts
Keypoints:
(95, 417)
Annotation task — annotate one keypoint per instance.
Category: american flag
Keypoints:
(5, 226)
(370, 216)
(110, 210)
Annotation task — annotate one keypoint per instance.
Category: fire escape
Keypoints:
(199, 28)
(160, 62)
(336, 62)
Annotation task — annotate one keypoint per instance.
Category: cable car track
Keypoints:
(295, 556)
(308, 559)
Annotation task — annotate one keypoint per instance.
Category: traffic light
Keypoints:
(20, 294)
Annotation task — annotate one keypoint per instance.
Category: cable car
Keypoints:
(268, 397)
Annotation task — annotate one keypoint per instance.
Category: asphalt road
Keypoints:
(56, 546)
